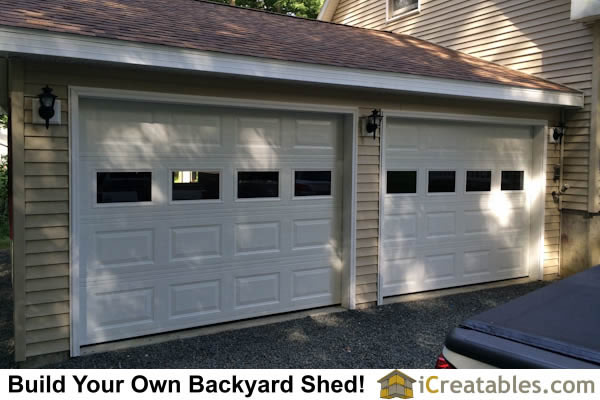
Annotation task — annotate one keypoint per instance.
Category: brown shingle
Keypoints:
(202, 25)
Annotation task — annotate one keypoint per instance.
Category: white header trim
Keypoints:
(29, 41)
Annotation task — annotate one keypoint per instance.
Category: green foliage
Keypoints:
(299, 8)
(3, 121)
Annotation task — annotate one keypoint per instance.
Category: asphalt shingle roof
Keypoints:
(202, 25)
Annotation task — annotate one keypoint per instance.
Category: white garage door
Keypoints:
(191, 215)
(455, 204)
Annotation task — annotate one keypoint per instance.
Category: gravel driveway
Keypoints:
(403, 335)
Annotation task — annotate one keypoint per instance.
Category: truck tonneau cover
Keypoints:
(563, 317)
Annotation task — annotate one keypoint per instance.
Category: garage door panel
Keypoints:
(197, 242)
(315, 135)
(194, 299)
(436, 240)
(136, 305)
(123, 248)
(174, 264)
(439, 266)
(257, 290)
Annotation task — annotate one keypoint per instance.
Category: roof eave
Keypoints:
(44, 43)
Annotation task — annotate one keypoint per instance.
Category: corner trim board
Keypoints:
(44, 43)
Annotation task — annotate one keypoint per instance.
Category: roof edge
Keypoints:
(327, 10)
(45, 43)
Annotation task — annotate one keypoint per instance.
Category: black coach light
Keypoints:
(374, 122)
(47, 100)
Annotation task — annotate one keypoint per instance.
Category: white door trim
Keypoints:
(537, 199)
(77, 92)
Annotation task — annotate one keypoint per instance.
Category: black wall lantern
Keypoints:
(47, 100)
(374, 122)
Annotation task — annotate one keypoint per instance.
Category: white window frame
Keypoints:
(416, 193)
(198, 201)
(479, 192)
(523, 190)
(391, 15)
(94, 192)
(251, 199)
(456, 183)
(320, 197)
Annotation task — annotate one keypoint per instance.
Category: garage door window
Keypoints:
(512, 180)
(401, 182)
(442, 181)
(479, 181)
(257, 184)
(195, 185)
(312, 183)
(123, 187)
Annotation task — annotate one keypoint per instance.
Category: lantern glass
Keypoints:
(47, 100)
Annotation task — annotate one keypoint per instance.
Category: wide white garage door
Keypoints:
(191, 215)
(456, 208)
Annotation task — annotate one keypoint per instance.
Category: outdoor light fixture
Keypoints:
(374, 122)
(47, 100)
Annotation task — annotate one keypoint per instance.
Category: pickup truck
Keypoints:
(557, 326)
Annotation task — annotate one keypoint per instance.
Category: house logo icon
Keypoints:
(396, 384)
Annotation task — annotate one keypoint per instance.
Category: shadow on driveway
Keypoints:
(403, 335)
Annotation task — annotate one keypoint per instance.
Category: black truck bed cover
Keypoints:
(563, 318)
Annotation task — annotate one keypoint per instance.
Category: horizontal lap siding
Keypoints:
(367, 224)
(46, 227)
(534, 36)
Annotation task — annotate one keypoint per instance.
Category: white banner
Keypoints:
(299, 384)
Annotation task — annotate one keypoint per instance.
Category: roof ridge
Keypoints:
(296, 17)
(390, 33)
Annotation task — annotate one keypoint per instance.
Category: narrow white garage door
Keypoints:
(455, 204)
(191, 215)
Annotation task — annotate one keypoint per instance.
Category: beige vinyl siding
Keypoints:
(367, 223)
(534, 36)
(46, 155)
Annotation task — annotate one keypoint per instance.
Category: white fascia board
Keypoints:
(327, 10)
(43, 43)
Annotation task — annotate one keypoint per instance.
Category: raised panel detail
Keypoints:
(478, 221)
(194, 299)
(510, 259)
(257, 238)
(263, 132)
(319, 134)
(311, 283)
(402, 271)
(440, 267)
(517, 218)
(253, 291)
(120, 308)
(402, 137)
(124, 248)
(477, 262)
(400, 227)
(195, 242)
(312, 233)
(195, 130)
(441, 224)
